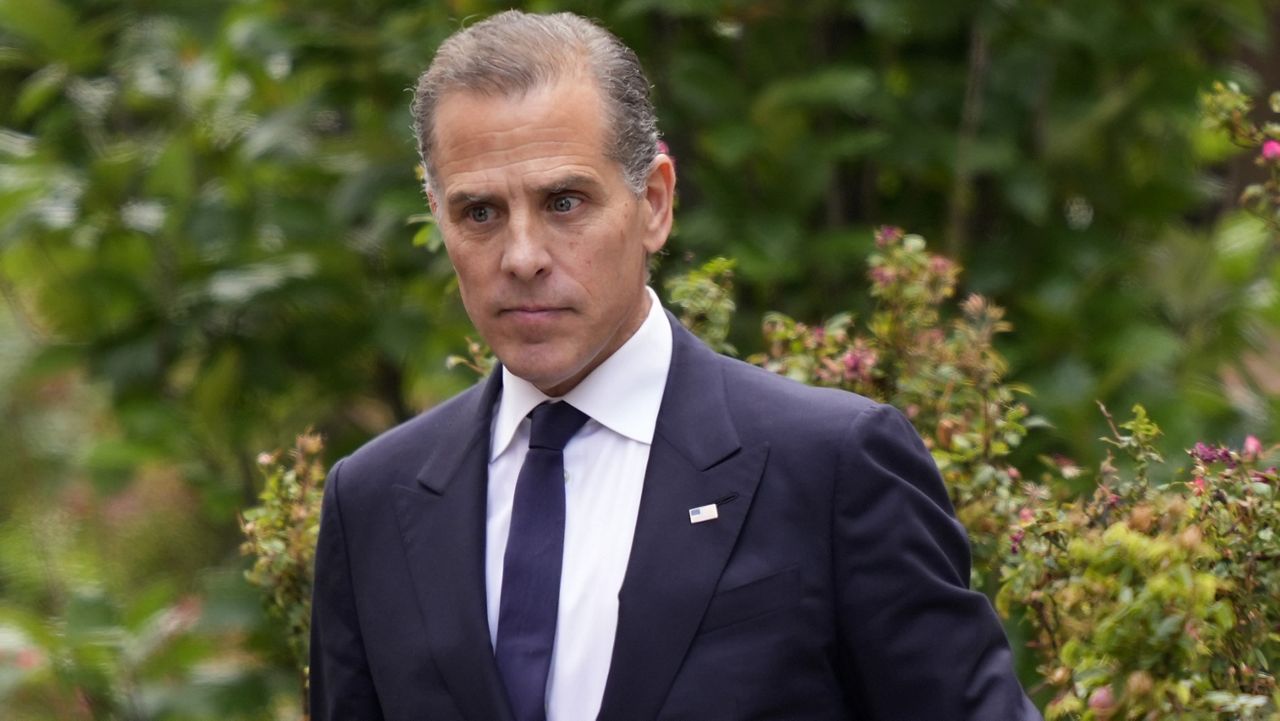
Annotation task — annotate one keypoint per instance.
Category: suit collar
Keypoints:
(695, 417)
(696, 459)
(442, 526)
(471, 429)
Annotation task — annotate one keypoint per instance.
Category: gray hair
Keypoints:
(513, 52)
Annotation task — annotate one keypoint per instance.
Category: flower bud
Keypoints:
(1102, 702)
(1139, 683)
(310, 444)
(1190, 538)
(1142, 518)
(1252, 448)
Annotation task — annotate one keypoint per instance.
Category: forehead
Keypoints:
(561, 123)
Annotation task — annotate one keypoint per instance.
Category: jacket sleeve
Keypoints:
(915, 641)
(341, 687)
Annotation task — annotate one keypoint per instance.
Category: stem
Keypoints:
(961, 202)
(1049, 626)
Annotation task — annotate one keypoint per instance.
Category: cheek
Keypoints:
(467, 269)
(469, 260)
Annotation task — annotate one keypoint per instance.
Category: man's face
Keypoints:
(548, 241)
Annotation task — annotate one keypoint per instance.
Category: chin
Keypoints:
(540, 372)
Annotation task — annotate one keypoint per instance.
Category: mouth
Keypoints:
(532, 313)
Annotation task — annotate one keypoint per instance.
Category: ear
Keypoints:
(658, 202)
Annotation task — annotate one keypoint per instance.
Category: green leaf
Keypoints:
(50, 26)
(428, 236)
(39, 89)
(846, 88)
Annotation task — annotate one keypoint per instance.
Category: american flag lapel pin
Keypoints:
(700, 514)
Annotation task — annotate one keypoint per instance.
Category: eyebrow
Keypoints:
(558, 185)
(463, 198)
(568, 182)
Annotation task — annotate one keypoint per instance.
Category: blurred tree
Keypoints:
(1055, 149)
(211, 232)
(211, 206)
(207, 209)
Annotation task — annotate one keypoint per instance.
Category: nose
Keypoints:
(525, 253)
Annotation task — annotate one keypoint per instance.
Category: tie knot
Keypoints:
(554, 424)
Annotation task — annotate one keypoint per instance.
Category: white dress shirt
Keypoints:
(604, 468)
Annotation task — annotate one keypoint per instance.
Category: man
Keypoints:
(619, 523)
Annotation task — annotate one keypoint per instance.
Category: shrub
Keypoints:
(281, 537)
(945, 374)
(1227, 110)
(1153, 602)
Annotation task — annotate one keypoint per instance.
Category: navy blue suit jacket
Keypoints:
(832, 586)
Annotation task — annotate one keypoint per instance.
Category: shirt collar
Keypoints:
(622, 394)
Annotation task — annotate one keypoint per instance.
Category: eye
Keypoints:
(480, 213)
(565, 203)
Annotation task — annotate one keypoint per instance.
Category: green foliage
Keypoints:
(202, 201)
(479, 359)
(1052, 149)
(1227, 110)
(281, 538)
(1154, 601)
(78, 644)
(704, 296)
(212, 232)
(205, 208)
(945, 373)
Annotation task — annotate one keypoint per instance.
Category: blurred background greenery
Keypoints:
(212, 237)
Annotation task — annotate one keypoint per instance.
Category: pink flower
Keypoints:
(1197, 486)
(882, 276)
(939, 266)
(1102, 702)
(887, 235)
(1026, 515)
(1210, 454)
(1252, 448)
(1271, 150)
(859, 362)
(29, 658)
(1015, 541)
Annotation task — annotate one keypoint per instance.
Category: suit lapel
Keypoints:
(696, 459)
(442, 523)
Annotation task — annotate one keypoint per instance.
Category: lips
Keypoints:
(533, 309)
(533, 314)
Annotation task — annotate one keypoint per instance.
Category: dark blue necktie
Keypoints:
(531, 567)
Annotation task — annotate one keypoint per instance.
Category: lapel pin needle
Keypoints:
(700, 514)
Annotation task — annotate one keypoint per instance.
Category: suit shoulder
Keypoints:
(767, 407)
(755, 388)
